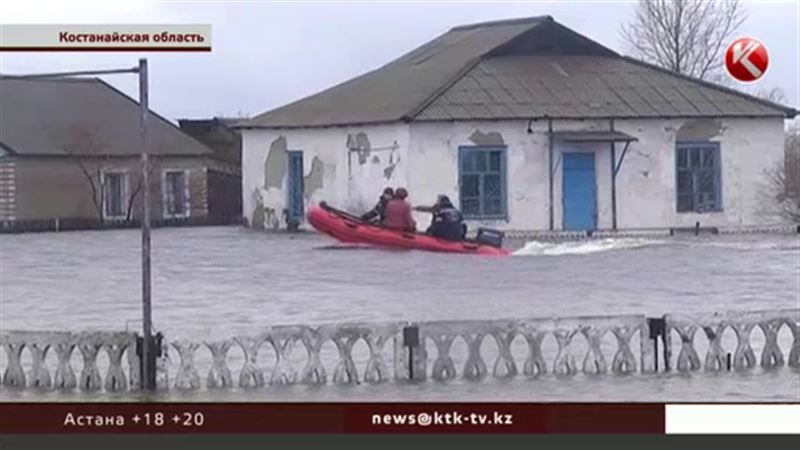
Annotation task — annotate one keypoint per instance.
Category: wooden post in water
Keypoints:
(148, 352)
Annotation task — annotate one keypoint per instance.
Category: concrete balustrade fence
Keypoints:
(742, 324)
(533, 331)
(63, 375)
(419, 351)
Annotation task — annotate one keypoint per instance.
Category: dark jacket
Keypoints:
(377, 212)
(447, 223)
(397, 215)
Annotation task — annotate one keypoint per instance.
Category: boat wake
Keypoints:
(344, 247)
(537, 248)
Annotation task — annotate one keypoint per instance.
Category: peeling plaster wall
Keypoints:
(645, 183)
(353, 182)
(748, 148)
(275, 164)
(314, 181)
(436, 145)
(434, 167)
(426, 161)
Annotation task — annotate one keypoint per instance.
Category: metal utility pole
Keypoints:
(148, 352)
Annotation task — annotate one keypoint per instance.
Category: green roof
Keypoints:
(523, 68)
(85, 116)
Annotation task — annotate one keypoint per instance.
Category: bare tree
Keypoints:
(774, 95)
(85, 148)
(684, 36)
(133, 195)
(783, 180)
(89, 151)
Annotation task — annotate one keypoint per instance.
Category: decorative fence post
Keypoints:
(743, 357)
(651, 330)
(89, 347)
(187, 378)
(624, 361)
(594, 362)
(14, 375)
(250, 376)
(535, 364)
(564, 363)
(794, 352)
(377, 371)
(219, 376)
(282, 340)
(65, 378)
(504, 365)
(115, 347)
(314, 372)
(39, 375)
(345, 371)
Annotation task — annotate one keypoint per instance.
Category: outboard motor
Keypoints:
(487, 236)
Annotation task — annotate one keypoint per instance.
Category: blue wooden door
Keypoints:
(295, 186)
(580, 211)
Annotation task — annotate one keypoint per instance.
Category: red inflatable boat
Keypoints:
(351, 229)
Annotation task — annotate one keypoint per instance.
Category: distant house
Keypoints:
(225, 178)
(526, 125)
(70, 158)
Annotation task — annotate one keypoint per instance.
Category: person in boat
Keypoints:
(447, 222)
(397, 214)
(376, 214)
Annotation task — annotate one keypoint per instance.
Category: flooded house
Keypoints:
(70, 158)
(526, 125)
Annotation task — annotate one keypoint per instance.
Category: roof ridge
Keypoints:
(786, 109)
(154, 114)
(471, 64)
(502, 22)
(412, 108)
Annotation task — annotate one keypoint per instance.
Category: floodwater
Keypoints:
(223, 281)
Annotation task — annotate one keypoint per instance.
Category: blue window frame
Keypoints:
(698, 168)
(482, 182)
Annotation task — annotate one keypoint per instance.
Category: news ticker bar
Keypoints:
(105, 37)
(378, 418)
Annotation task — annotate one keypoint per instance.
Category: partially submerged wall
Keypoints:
(346, 166)
(349, 166)
(646, 181)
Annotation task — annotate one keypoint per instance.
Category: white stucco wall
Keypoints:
(646, 196)
(646, 183)
(434, 166)
(354, 185)
(428, 165)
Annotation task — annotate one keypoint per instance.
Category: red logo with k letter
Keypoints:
(746, 59)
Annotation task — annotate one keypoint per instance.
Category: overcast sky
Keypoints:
(266, 54)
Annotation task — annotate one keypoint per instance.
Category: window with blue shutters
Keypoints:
(482, 182)
(698, 169)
